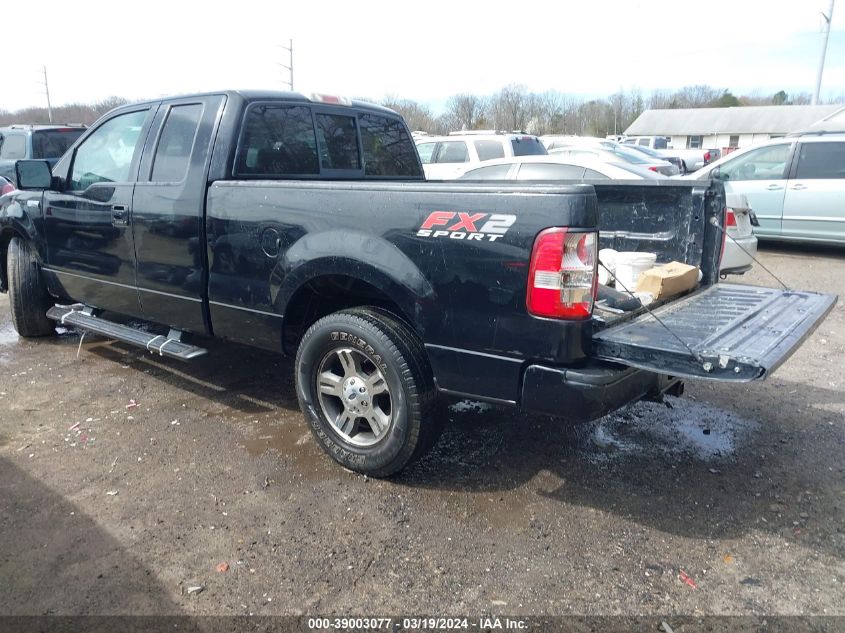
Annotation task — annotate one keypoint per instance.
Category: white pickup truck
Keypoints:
(693, 158)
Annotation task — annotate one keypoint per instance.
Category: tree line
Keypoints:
(513, 107)
(552, 112)
(85, 113)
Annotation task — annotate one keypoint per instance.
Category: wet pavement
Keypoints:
(127, 478)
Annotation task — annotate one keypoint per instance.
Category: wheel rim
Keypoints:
(354, 396)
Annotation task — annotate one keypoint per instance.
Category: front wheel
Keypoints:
(28, 296)
(366, 389)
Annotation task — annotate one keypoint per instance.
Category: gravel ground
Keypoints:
(108, 508)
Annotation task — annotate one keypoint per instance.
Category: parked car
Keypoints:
(6, 186)
(677, 161)
(692, 158)
(46, 142)
(553, 167)
(447, 157)
(740, 244)
(306, 227)
(795, 185)
(615, 153)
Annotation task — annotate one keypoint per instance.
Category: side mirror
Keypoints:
(33, 174)
(716, 174)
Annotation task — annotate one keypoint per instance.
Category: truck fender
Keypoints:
(368, 258)
(17, 219)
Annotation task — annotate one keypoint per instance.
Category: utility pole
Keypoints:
(289, 68)
(47, 90)
(827, 19)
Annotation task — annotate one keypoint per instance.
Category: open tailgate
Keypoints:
(735, 333)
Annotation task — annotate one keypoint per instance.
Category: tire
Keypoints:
(28, 296)
(683, 168)
(366, 389)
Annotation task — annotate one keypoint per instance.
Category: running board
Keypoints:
(83, 319)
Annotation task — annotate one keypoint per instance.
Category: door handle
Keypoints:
(119, 213)
(798, 187)
(774, 187)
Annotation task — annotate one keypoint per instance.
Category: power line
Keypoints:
(47, 91)
(289, 68)
(827, 19)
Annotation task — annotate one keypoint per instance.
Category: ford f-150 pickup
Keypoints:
(305, 226)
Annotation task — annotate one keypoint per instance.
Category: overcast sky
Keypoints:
(423, 50)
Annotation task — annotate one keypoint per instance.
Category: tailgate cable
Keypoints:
(715, 223)
(695, 355)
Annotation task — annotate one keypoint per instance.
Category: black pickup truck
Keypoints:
(305, 226)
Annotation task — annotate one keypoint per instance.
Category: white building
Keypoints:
(727, 128)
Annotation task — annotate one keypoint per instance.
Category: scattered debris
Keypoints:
(685, 578)
(112, 493)
(666, 628)
(113, 464)
(222, 568)
(728, 559)
(804, 515)
(195, 589)
(750, 582)
(499, 603)
(132, 404)
(266, 483)
(73, 427)
(714, 471)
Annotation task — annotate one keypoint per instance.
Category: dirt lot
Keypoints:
(112, 509)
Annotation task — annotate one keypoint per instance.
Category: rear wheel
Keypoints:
(365, 387)
(28, 296)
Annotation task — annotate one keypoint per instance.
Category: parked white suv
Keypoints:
(447, 157)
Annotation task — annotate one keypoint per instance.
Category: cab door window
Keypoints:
(106, 155)
(764, 163)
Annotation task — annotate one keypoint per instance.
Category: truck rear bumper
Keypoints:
(588, 393)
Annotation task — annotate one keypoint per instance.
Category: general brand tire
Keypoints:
(28, 296)
(386, 361)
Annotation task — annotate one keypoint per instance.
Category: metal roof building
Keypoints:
(728, 127)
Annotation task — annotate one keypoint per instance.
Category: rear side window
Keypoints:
(426, 151)
(643, 141)
(176, 142)
(14, 146)
(592, 174)
(452, 152)
(53, 143)
(338, 141)
(388, 150)
(489, 150)
(550, 171)
(821, 161)
(277, 140)
(661, 143)
(528, 146)
(491, 172)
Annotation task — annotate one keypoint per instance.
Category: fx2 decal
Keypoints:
(456, 225)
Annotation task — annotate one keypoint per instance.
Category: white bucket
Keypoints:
(607, 256)
(629, 266)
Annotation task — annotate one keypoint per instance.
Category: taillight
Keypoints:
(706, 157)
(7, 188)
(652, 169)
(562, 278)
(730, 218)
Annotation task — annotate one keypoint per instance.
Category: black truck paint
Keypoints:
(257, 259)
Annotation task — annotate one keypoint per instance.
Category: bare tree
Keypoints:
(465, 112)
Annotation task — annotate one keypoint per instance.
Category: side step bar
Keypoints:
(83, 319)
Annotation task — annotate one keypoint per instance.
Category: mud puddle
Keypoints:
(678, 426)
